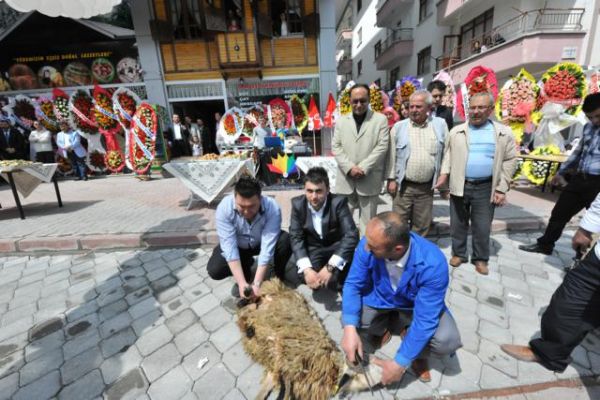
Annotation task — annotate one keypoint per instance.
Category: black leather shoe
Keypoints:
(536, 248)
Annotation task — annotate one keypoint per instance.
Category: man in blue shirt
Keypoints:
(248, 225)
(396, 276)
(583, 172)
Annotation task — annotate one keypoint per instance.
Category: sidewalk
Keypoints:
(122, 212)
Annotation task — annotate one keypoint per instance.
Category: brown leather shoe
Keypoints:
(523, 353)
(420, 367)
(455, 261)
(379, 341)
(482, 267)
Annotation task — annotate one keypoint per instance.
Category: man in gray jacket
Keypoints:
(419, 146)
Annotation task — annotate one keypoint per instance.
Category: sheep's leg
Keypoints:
(268, 384)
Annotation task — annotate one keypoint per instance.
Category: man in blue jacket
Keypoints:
(398, 276)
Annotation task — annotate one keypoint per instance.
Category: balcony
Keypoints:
(389, 12)
(534, 40)
(344, 35)
(397, 46)
(344, 67)
(447, 10)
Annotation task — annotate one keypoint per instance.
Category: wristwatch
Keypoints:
(330, 268)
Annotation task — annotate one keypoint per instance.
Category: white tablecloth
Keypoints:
(28, 178)
(209, 179)
(329, 163)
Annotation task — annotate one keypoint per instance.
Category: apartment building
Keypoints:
(343, 32)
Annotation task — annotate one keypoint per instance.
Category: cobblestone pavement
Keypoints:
(136, 324)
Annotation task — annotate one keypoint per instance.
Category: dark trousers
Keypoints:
(474, 208)
(572, 313)
(218, 268)
(46, 157)
(78, 164)
(180, 148)
(319, 256)
(579, 193)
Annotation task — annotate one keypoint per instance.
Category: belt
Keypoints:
(417, 183)
(478, 181)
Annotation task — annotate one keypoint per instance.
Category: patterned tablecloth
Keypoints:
(306, 163)
(209, 179)
(28, 178)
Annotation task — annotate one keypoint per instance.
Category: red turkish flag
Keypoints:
(329, 118)
(314, 118)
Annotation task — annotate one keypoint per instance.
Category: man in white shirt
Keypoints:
(573, 310)
(69, 145)
(179, 137)
(322, 233)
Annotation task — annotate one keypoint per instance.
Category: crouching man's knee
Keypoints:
(447, 338)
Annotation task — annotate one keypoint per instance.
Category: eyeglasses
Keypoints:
(478, 108)
(360, 101)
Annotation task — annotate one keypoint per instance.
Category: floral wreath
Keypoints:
(142, 143)
(534, 170)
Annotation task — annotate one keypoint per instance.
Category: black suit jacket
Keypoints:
(337, 226)
(446, 113)
(185, 133)
(16, 141)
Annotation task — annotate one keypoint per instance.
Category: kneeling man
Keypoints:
(322, 233)
(398, 279)
(248, 225)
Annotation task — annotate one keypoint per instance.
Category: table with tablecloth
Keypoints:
(24, 179)
(548, 159)
(208, 179)
(329, 163)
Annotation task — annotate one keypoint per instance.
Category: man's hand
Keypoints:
(442, 179)
(392, 188)
(242, 288)
(351, 344)
(311, 278)
(324, 276)
(499, 199)
(392, 371)
(445, 194)
(582, 240)
(255, 290)
(356, 172)
(10, 150)
(559, 181)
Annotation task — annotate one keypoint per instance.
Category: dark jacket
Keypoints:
(445, 113)
(338, 226)
(16, 141)
(185, 133)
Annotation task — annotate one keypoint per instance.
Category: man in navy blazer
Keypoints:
(322, 233)
(398, 279)
(12, 143)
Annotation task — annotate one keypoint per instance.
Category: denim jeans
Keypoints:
(474, 208)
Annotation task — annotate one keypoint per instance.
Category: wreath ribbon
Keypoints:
(122, 111)
(42, 114)
(106, 113)
(82, 116)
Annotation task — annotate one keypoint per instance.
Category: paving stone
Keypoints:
(491, 378)
(492, 315)
(15, 328)
(234, 394)
(118, 342)
(83, 286)
(205, 350)
(82, 310)
(80, 365)
(226, 336)
(180, 321)
(143, 307)
(87, 387)
(41, 389)
(115, 324)
(161, 361)
(463, 287)
(493, 333)
(118, 365)
(518, 296)
(22, 300)
(175, 306)
(16, 314)
(521, 311)
(131, 385)
(135, 284)
(153, 340)
(41, 366)
(491, 354)
(530, 373)
(216, 383)
(173, 385)
(81, 343)
(460, 300)
(215, 319)
(189, 281)
(513, 283)
(138, 295)
(148, 322)
(8, 386)
(190, 338)
(47, 343)
(158, 273)
(247, 381)
(205, 304)
(492, 300)
(108, 297)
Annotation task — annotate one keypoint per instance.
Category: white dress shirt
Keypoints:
(395, 268)
(591, 220)
(317, 220)
(177, 132)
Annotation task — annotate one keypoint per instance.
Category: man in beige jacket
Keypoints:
(361, 144)
(480, 158)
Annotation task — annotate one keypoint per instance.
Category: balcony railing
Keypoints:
(389, 11)
(397, 35)
(543, 20)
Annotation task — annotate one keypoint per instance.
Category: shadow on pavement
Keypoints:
(10, 211)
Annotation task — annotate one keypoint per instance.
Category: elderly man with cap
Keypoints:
(12, 143)
(69, 145)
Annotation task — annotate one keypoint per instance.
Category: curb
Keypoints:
(125, 241)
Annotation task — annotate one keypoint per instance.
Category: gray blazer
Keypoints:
(402, 144)
(367, 149)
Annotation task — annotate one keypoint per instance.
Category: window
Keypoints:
(185, 18)
(359, 34)
(359, 68)
(476, 28)
(377, 49)
(394, 76)
(287, 17)
(424, 9)
(424, 61)
(358, 5)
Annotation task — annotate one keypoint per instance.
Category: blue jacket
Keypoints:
(422, 288)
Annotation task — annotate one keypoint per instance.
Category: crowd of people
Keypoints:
(192, 138)
(393, 280)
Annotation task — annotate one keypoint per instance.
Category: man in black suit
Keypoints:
(179, 137)
(437, 90)
(322, 233)
(12, 142)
